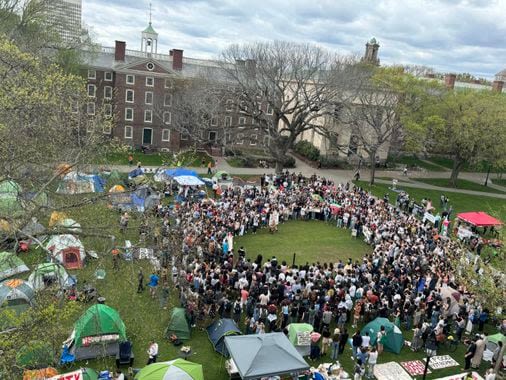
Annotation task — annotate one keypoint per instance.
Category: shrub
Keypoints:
(308, 150)
(331, 162)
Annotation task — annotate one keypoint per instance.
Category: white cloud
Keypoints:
(449, 35)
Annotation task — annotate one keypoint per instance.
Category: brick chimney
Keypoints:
(450, 81)
(177, 59)
(497, 85)
(119, 51)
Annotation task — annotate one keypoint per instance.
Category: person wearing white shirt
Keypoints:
(366, 339)
(152, 352)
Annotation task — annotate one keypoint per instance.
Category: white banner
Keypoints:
(76, 375)
(428, 216)
(390, 371)
(304, 338)
(460, 376)
(443, 361)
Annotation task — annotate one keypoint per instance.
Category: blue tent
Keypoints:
(135, 173)
(176, 172)
(219, 330)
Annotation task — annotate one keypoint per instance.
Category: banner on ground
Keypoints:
(442, 361)
(415, 367)
(461, 376)
(304, 338)
(428, 216)
(76, 375)
(390, 371)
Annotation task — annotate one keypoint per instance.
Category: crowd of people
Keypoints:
(401, 279)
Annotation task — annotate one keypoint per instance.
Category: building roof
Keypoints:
(501, 75)
(149, 29)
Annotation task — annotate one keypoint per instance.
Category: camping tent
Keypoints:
(17, 294)
(50, 273)
(298, 334)
(141, 199)
(264, 355)
(117, 189)
(68, 250)
(177, 172)
(137, 172)
(217, 332)
(454, 296)
(394, 338)
(79, 183)
(178, 369)
(479, 219)
(10, 265)
(10, 202)
(178, 324)
(69, 224)
(493, 341)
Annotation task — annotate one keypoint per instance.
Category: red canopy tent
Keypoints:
(479, 219)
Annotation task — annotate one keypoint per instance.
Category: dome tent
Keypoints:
(178, 369)
(68, 250)
(11, 265)
(217, 332)
(50, 273)
(394, 339)
(178, 324)
(17, 294)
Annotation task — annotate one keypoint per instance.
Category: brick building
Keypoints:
(137, 88)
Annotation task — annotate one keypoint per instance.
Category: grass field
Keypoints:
(311, 241)
(500, 182)
(461, 184)
(460, 202)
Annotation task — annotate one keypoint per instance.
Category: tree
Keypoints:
(468, 126)
(284, 89)
(44, 122)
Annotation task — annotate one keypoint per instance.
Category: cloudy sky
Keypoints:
(448, 35)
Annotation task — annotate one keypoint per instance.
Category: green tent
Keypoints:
(178, 324)
(295, 330)
(493, 341)
(11, 265)
(50, 273)
(394, 339)
(99, 320)
(178, 369)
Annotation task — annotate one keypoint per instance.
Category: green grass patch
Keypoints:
(461, 184)
(235, 162)
(459, 202)
(500, 182)
(482, 166)
(413, 161)
(311, 241)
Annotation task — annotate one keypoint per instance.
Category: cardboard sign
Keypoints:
(76, 375)
(415, 367)
(460, 376)
(428, 216)
(390, 371)
(442, 361)
(89, 340)
(304, 338)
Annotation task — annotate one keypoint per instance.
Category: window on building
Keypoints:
(242, 122)
(148, 98)
(228, 137)
(239, 139)
(108, 76)
(228, 121)
(129, 96)
(74, 107)
(243, 107)
(130, 79)
(150, 81)
(92, 74)
(212, 136)
(107, 92)
(167, 117)
(92, 90)
(108, 110)
(148, 116)
(128, 132)
(107, 129)
(253, 139)
(184, 136)
(90, 108)
(129, 114)
(270, 111)
(230, 105)
(167, 100)
(165, 134)
(214, 121)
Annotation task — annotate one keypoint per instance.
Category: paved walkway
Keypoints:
(341, 176)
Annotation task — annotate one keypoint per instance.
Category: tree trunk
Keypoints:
(372, 160)
(279, 166)
(457, 165)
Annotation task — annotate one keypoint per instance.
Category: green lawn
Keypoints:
(481, 166)
(413, 161)
(153, 159)
(460, 202)
(461, 184)
(311, 241)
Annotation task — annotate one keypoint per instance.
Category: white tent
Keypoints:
(189, 180)
(68, 250)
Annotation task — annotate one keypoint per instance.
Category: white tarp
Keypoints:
(188, 180)
(460, 376)
(390, 371)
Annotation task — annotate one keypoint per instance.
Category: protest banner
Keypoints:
(442, 361)
(414, 367)
(390, 371)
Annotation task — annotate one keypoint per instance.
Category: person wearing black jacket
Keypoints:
(470, 351)
(343, 339)
(356, 343)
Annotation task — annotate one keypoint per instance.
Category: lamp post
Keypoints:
(430, 349)
(427, 360)
(488, 173)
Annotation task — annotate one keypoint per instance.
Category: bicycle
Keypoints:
(450, 343)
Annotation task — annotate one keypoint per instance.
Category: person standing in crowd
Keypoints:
(343, 339)
(140, 281)
(470, 351)
(153, 284)
(481, 344)
(209, 168)
(123, 222)
(335, 345)
(371, 362)
(115, 258)
(356, 342)
(380, 337)
(152, 352)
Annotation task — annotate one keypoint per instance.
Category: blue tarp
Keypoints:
(135, 173)
(98, 182)
(176, 172)
(219, 330)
